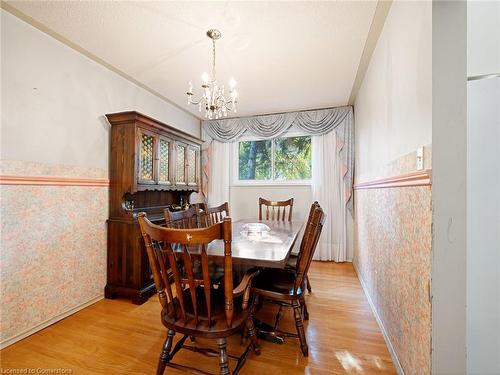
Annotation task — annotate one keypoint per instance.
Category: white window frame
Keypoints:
(235, 164)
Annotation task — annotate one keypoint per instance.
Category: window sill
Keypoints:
(271, 184)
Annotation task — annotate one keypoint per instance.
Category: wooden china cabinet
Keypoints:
(152, 166)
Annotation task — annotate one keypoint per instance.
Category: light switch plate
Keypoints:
(420, 158)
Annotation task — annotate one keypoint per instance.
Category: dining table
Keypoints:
(269, 248)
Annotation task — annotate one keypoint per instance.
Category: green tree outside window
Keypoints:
(281, 159)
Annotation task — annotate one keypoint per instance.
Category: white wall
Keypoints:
(54, 100)
(483, 189)
(449, 162)
(483, 227)
(393, 107)
(245, 200)
(483, 37)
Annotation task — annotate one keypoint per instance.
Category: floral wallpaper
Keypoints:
(53, 254)
(392, 254)
(31, 168)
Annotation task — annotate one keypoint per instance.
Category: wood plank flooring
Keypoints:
(117, 337)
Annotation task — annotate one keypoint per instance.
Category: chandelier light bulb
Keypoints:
(232, 83)
(205, 77)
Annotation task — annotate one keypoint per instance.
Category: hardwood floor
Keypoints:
(117, 337)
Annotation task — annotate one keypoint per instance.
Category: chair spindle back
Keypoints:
(309, 242)
(186, 219)
(302, 243)
(217, 214)
(276, 210)
(173, 248)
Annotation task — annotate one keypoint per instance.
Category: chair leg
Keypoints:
(253, 335)
(300, 327)
(278, 317)
(165, 353)
(223, 359)
(309, 288)
(303, 305)
(243, 336)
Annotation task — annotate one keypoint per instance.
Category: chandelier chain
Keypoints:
(213, 60)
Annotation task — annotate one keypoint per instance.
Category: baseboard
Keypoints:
(38, 327)
(387, 340)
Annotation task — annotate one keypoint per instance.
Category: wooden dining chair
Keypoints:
(213, 214)
(201, 207)
(285, 288)
(276, 210)
(217, 214)
(186, 219)
(293, 258)
(191, 305)
(195, 217)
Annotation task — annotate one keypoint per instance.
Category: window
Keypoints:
(281, 160)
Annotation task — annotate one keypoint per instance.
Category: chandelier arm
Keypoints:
(226, 103)
(196, 102)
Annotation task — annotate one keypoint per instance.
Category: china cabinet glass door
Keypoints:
(180, 163)
(192, 165)
(147, 142)
(164, 161)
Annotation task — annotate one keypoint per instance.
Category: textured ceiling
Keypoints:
(284, 55)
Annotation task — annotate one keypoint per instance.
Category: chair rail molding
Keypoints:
(417, 178)
(52, 181)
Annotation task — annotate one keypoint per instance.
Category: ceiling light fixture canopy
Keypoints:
(213, 99)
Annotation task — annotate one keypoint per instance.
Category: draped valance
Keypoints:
(315, 122)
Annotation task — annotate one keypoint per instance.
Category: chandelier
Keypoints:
(213, 98)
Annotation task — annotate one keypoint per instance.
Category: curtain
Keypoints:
(216, 172)
(329, 190)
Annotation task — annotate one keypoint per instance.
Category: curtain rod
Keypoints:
(280, 113)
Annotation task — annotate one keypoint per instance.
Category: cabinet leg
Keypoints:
(108, 293)
(139, 299)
